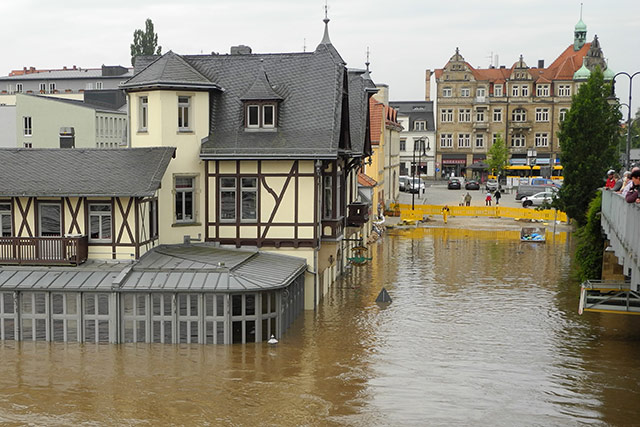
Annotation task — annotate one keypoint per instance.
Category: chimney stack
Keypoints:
(540, 63)
(427, 85)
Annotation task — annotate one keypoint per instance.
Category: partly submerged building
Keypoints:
(256, 156)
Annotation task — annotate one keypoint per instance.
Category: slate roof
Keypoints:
(416, 110)
(78, 103)
(182, 268)
(127, 172)
(169, 71)
(87, 73)
(309, 117)
(358, 108)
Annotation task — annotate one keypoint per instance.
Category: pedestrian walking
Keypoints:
(467, 199)
(497, 196)
(445, 213)
(487, 200)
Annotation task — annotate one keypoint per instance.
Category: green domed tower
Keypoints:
(579, 34)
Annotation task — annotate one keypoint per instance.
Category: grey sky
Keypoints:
(404, 37)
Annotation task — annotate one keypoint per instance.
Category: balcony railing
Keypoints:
(520, 125)
(621, 223)
(43, 250)
(332, 229)
(480, 125)
(358, 214)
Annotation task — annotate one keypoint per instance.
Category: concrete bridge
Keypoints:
(621, 223)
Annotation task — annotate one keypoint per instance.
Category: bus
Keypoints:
(515, 172)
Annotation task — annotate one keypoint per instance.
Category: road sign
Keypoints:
(437, 169)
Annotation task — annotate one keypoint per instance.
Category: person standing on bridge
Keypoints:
(497, 196)
(467, 199)
(633, 195)
(487, 200)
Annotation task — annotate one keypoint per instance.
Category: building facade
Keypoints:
(417, 138)
(524, 105)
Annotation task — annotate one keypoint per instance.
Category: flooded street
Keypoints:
(483, 330)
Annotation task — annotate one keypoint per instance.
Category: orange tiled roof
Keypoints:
(562, 68)
(366, 181)
(376, 114)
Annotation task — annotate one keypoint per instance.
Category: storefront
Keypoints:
(454, 165)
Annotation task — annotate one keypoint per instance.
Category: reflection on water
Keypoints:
(482, 330)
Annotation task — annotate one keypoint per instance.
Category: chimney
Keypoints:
(427, 85)
(540, 63)
(240, 50)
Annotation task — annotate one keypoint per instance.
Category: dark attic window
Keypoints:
(260, 115)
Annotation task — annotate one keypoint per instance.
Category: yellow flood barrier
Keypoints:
(419, 211)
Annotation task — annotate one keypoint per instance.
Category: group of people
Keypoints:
(628, 186)
(466, 198)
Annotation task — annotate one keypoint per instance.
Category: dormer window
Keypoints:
(261, 115)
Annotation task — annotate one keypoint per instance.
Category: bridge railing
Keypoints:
(489, 211)
(621, 223)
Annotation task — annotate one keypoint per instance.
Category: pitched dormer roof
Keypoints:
(169, 71)
(261, 89)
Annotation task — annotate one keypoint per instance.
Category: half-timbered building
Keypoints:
(268, 147)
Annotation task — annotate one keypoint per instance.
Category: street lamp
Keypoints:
(627, 154)
(421, 149)
(531, 161)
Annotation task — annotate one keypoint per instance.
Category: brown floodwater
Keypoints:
(482, 330)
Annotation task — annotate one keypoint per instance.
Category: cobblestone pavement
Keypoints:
(438, 194)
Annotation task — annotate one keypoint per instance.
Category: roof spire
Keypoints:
(579, 33)
(325, 38)
(581, 4)
(367, 63)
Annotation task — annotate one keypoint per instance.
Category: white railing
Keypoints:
(621, 223)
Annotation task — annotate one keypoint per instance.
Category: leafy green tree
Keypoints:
(498, 156)
(590, 247)
(145, 42)
(588, 143)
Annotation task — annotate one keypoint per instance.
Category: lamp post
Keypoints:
(627, 154)
(531, 161)
(420, 142)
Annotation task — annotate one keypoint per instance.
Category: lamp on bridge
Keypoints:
(613, 100)
(418, 145)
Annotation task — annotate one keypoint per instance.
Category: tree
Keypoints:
(145, 42)
(588, 143)
(498, 156)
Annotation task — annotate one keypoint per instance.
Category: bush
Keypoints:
(590, 246)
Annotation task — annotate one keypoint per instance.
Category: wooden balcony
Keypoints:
(358, 214)
(332, 229)
(43, 250)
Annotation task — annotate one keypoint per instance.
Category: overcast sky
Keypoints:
(404, 37)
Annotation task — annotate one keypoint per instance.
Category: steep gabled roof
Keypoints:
(169, 71)
(127, 172)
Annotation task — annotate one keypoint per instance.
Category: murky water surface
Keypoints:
(482, 330)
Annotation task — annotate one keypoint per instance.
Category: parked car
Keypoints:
(403, 180)
(455, 183)
(492, 185)
(538, 199)
(472, 185)
(529, 190)
(415, 185)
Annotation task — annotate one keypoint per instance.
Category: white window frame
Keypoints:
(447, 92)
(184, 112)
(247, 189)
(143, 120)
(564, 90)
(542, 139)
(497, 90)
(479, 140)
(101, 216)
(446, 115)
(43, 88)
(464, 115)
(465, 92)
(481, 92)
(52, 87)
(88, 86)
(232, 190)
(27, 144)
(519, 115)
(19, 88)
(99, 86)
(181, 198)
(480, 116)
(464, 140)
(515, 90)
(265, 115)
(542, 114)
(524, 90)
(542, 90)
(27, 125)
(420, 125)
(255, 107)
(6, 219)
(497, 114)
(518, 140)
(446, 140)
(562, 114)
(494, 138)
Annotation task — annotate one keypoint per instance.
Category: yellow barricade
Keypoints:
(419, 211)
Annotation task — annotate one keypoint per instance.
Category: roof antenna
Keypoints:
(304, 45)
(325, 38)
(367, 63)
(581, 11)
